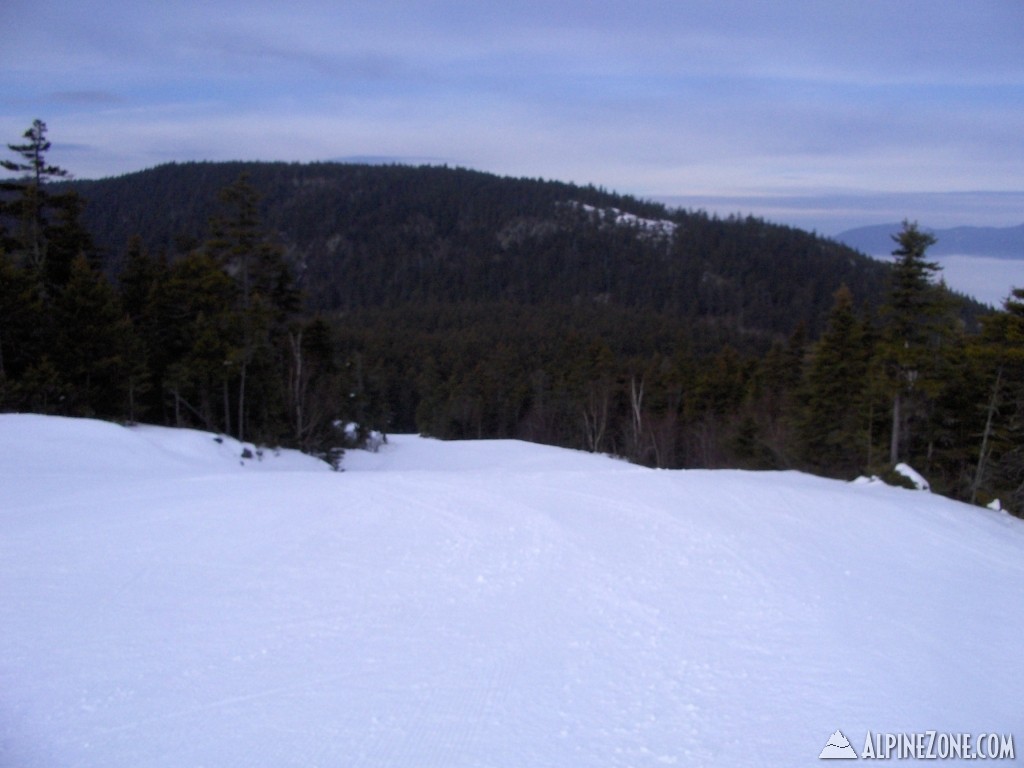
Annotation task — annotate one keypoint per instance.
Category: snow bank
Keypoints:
(413, 453)
(915, 477)
(44, 444)
(481, 604)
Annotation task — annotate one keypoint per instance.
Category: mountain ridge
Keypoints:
(362, 236)
(994, 242)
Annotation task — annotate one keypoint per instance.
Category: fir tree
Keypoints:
(999, 350)
(20, 323)
(29, 203)
(915, 317)
(198, 329)
(832, 427)
(267, 299)
(93, 338)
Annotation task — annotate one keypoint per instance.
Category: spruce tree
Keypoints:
(20, 323)
(915, 312)
(29, 204)
(139, 287)
(266, 300)
(832, 427)
(68, 305)
(999, 351)
(93, 339)
(197, 331)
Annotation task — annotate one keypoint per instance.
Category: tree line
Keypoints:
(214, 337)
(231, 328)
(364, 237)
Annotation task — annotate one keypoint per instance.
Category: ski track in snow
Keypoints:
(478, 604)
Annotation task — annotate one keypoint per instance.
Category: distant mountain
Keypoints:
(370, 237)
(993, 242)
(457, 303)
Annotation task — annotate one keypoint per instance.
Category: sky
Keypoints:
(819, 114)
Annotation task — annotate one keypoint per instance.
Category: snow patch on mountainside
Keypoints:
(648, 227)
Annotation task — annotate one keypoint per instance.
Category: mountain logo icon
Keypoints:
(838, 748)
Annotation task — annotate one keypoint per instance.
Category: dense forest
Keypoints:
(366, 237)
(276, 301)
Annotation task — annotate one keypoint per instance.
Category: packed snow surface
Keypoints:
(166, 602)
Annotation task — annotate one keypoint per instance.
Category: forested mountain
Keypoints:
(276, 302)
(367, 237)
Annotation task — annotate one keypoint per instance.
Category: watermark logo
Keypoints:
(838, 748)
(927, 745)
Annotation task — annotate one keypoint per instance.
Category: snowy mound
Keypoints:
(45, 444)
(915, 477)
(412, 453)
(480, 604)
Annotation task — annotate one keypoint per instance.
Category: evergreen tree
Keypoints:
(142, 287)
(56, 322)
(832, 427)
(29, 204)
(20, 322)
(198, 330)
(92, 342)
(139, 285)
(267, 299)
(592, 381)
(66, 240)
(773, 401)
(999, 470)
(137, 280)
(316, 395)
(33, 162)
(915, 313)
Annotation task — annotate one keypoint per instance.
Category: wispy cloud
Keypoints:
(86, 98)
(711, 97)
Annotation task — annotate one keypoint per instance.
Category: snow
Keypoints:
(650, 227)
(915, 477)
(488, 603)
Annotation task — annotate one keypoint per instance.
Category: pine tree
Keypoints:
(916, 318)
(197, 331)
(66, 239)
(67, 305)
(139, 285)
(30, 204)
(267, 299)
(773, 399)
(93, 337)
(20, 322)
(999, 351)
(832, 427)
(315, 392)
(33, 153)
(137, 280)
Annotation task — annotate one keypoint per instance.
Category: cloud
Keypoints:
(831, 212)
(722, 98)
(86, 98)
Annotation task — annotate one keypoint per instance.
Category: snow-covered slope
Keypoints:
(479, 604)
